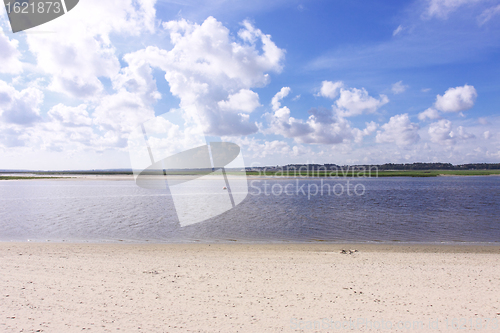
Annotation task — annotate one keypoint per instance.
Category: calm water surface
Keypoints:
(442, 209)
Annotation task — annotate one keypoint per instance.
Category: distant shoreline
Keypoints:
(255, 175)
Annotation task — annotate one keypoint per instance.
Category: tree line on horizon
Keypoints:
(386, 166)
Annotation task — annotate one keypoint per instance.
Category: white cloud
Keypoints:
(399, 130)
(398, 30)
(71, 116)
(272, 54)
(488, 14)
(20, 107)
(244, 101)
(9, 55)
(208, 52)
(441, 8)
(399, 87)
(483, 121)
(462, 134)
(58, 135)
(269, 148)
(258, 148)
(120, 113)
(456, 99)
(280, 122)
(301, 150)
(137, 78)
(371, 127)
(23, 126)
(276, 101)
(442, 132)
(67, 129)
(322, 127)
(12, 137)
(330, 89)
(80, 51)
(325, 126)
(117, 114)
(430, 113)
(211, 70)
(207, 64)
(354, 102)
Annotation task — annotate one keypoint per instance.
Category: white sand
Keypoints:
(247, 288)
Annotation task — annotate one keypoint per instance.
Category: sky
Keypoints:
(333, 81)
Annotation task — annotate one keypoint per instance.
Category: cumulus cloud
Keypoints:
(137, 78)
(20, 107)
(9, 55)
(327, 128)
(301, 150)
(442, 132)
(81, 52)
(371, 127)
(13, 136)
(268, 148)
(243, 101)
(276, 101)
(61, 134)
(399, 87)
(353, 102)
(322, 127)
(132, 103)
(456, 99)
(399, 130)
(280, 122)
(211, 71)
(64, 129)
(430, 113)
(71, 116)
(120, 113)
(262, 148)
(330, 89)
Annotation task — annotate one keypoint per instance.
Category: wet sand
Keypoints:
(248, 288)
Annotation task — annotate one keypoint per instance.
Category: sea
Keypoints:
(451, 209)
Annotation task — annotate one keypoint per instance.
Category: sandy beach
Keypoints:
(248, 288)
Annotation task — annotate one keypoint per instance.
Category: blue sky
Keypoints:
(344, 82)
